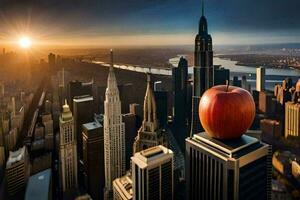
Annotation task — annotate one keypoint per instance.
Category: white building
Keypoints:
(153, 174)
(114, 134)
(68, 154)
(260, 79)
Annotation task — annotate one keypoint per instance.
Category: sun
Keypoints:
(25, 42)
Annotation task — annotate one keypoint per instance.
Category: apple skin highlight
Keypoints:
(226, 112)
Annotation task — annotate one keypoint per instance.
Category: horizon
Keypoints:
(147, 23)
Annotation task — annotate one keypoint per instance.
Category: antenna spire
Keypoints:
(111, 60)
(202, 7)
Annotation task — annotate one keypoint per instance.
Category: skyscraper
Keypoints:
(17, 171)
(93, 159)
(260, 79)
(152, 174)
(77, 88)
(114, 134)
(292, 119)
(229, 169)
(83, 111)
(203, 69)
(149, 134)
(67, 150)
(180, 83)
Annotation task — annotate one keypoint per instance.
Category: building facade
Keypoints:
(67, 151)
(114, 134)
(149, 135)
(152, 174)
(83, 112)
(232, 169)
(260, 79)
(17, 171)
(292, 119)
(93, 159)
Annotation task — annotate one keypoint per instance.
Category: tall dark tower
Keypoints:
(180, 84)
(203, 69)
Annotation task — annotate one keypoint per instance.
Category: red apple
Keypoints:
(226, 111)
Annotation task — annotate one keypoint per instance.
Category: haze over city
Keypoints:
(147, 22)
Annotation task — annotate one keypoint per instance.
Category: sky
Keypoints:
(148, 22)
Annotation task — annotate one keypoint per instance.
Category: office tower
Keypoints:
(152, 174)
(67, 150)
(292, 119)
(2, 89)
(137, 110)
(149, 134)
(260, 79)
(130, 133)
(77, 88)
(203, 70)
(51, 60)
(39, 186)
(114, 136)
(161, 97)
(221, 75)
(270, 130)
(2, 158)
(266, 103)
(236, 82)
(83, 112)
(245, 84)
(228, 169)
(122, 188)
(93, 159)
(17, 171)
(48, 124)
(126, 97)
(180, 84)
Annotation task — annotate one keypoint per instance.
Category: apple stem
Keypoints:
(227, 84)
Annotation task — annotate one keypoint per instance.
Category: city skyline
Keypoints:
(104, 23)
(167, 122)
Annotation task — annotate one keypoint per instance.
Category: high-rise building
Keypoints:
(83, 112)
(149, 135)
(203, 70)
(152, 174)
(221, 75)
(229, 169)
(51, 60)
(260, 79)
(48, 124)
(93, 159)
(77, 88)
(17, 171)
(39, 186)
(122, 188)
(130, 133)
(292, 119)
(180, 83)
(114, 136)
(161, 97)
(67, 151)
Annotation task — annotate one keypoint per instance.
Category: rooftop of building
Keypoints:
(84, 98)
(92, 125)
(16, 156)
(152, 155)
(38, 187)
(124, 186)
(231, 148)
